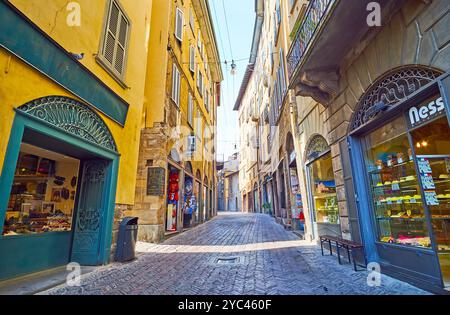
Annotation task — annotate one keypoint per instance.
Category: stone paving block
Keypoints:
(261, 270)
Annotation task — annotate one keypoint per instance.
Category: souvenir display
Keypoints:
(39, 201)
(172, 201)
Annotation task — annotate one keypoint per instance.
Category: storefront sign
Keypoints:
(444, 86)
(155, 181)
(418, 115)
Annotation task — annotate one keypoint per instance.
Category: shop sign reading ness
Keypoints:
(421, 114)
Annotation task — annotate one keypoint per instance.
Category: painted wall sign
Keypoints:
(156, 177)
(418, 115)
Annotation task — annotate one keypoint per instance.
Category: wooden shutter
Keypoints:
(192, 59)
(179, 25)
(190, 108)
(175, 85)
(116, 39)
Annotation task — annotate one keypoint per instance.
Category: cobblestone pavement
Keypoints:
(271, 261)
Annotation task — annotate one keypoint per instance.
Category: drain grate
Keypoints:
(227, 260)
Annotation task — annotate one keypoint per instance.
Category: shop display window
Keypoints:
(43, 193)
(396, 192)
(326, 208)
(172, 199)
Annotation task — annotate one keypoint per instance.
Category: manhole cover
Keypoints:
(227, 260)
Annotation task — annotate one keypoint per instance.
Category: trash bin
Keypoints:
(126, 242)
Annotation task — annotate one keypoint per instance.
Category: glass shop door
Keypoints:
(432, 146)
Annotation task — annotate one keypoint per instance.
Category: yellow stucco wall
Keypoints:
(160, 62)
(20, 83)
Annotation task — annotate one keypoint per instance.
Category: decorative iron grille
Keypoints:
(73, 117)
(391, 89)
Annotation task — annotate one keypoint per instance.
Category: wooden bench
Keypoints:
(350, 246)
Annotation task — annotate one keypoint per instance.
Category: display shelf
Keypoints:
(18, 178)
(398, 218)
(325, 196)
(393, 167)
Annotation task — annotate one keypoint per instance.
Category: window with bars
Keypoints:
(179, 24)
(114, 44)
(176, 84)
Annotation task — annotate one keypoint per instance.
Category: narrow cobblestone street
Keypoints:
(270, 261)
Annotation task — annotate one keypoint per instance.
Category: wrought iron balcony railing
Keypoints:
(316, 12)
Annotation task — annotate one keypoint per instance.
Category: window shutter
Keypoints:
(115, 42)
(179, 25)
(174, 82)
(190, 108)
(192, 59)
(176, 85)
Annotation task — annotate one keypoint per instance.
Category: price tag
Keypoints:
(400, 201)
(412, 200)
(395, 186)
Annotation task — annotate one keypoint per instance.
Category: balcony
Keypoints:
(328, 30)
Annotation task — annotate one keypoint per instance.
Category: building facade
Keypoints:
(176, 175)
(72, 90)
(370, 128)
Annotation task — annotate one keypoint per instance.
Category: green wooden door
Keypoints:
(91, 210)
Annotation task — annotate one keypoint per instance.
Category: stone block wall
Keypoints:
(150, 209)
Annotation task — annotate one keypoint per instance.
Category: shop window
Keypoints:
(398, 205)
(324, 191)
(432, 146)
(43, 193)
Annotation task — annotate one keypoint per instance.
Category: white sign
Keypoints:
(423, 113)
